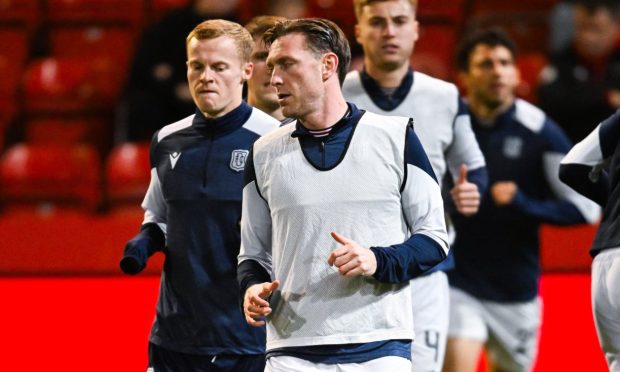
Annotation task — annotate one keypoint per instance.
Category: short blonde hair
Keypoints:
(360, 4)
(215, 28)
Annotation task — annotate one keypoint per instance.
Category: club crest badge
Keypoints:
(512, 147)
(237, 159)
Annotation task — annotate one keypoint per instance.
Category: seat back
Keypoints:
(70, 85)
(23, 13)
(119, 12)
(128, 173)
(51, 174)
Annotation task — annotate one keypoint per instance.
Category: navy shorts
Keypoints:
(164, 360)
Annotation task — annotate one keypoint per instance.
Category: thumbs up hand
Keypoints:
(351, 259)
(465, 194)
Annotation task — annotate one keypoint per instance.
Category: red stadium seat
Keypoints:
(23, 13)
(58, 85)
(109, 42)
(55, 174)
(13, 55)
(128, 173)
(122, 12)
(93, 130)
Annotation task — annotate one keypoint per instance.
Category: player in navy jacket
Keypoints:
(494, 296)
(592, 168)
(193, 209)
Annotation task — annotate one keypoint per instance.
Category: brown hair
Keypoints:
(360, 4)
(492, 37)
(322, 36)
(215, 28)
(260, 24)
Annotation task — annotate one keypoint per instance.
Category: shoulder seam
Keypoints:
(175, 127)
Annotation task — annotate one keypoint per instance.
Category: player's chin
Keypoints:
(287, 111)
(392, 62)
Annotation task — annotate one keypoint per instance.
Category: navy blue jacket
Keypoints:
(195, 195)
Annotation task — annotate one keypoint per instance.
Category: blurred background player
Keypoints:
(494, 285)
(591, 168)
(340, 302)
(192, 212)
(261, 94)
(387, 31)
(156, 91)
(581, 84)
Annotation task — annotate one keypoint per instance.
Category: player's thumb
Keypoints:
(339, 238)
(462, 174)
(272, 286)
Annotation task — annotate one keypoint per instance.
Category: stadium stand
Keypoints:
(68, 95)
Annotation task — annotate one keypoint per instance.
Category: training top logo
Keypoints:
(173, 159)
(237, 159)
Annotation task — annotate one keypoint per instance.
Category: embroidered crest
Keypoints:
(512, 147)
(237, 159)
(174, 157)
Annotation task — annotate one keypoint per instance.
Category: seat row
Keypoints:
(53, 175)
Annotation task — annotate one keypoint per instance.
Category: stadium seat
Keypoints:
(94, 130)
(120, 12)
(13, 55)
(22, 13)
(51, 174)
(93, 41)
(58, 85)
(128, 173)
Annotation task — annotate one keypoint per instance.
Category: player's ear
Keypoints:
(329, 65)
(246, 71)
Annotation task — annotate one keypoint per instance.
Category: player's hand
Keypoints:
(503, 192)
(255, 304)
(351, 259)
(465, 194)
(135, 256)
